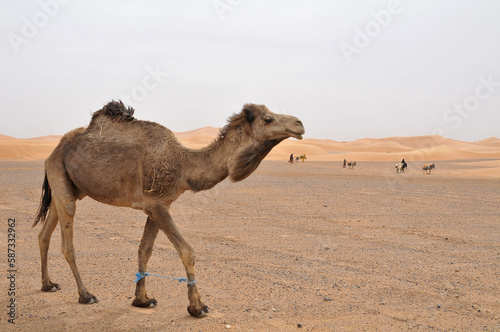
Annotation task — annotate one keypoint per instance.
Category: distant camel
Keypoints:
(427, 168)
(400, 167)
(121, 161)
(351, 164)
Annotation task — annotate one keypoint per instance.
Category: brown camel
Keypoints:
(121, 161)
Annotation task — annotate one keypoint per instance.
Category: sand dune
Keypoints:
(413, 148)
(202, 132)
(48, 138)
(27, 149)
(490, 142)
(199, 137)
(6, 138)
(416, 148)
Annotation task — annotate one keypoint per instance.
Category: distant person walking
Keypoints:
(291, 159)
(345, 162)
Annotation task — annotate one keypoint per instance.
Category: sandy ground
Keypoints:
(310, 247)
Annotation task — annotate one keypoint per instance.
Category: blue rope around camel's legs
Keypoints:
(140, 275)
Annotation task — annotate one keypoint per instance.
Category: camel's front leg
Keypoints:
(162, 217)
(145, 250)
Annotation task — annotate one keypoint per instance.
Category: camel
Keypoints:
(121, 161)
(400, 167)
(351, 164)
(427, 168)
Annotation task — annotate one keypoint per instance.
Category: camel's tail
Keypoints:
(44, 202)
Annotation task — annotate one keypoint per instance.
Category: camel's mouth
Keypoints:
(295, 134)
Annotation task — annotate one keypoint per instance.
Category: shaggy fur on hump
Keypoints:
(116, 110)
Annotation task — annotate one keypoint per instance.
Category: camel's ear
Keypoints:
(248, 113)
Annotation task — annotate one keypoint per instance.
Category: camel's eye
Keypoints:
(268, 119)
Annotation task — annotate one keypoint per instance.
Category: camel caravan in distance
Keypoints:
(427, 168)
(301, 157)
(296, 159)
(400, 167)
(121, 161)
(349, 163)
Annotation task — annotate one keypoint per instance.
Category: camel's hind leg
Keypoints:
(44, 240)
(66, 213)
(161, 216)
(63, 197)
(145, 250)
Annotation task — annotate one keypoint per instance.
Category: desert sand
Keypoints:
(308, 246)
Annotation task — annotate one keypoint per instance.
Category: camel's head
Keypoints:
(265, 130)
(268, 126)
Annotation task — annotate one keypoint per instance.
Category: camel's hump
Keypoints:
(116, 109)
(116, 119)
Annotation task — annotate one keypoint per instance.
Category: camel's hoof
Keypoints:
(148, 303)
(90, 299)
(198, 312)
(51, 287)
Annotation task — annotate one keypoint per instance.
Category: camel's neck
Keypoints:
(234, 155)
(209, 166)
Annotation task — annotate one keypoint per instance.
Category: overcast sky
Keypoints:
(347, 69)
